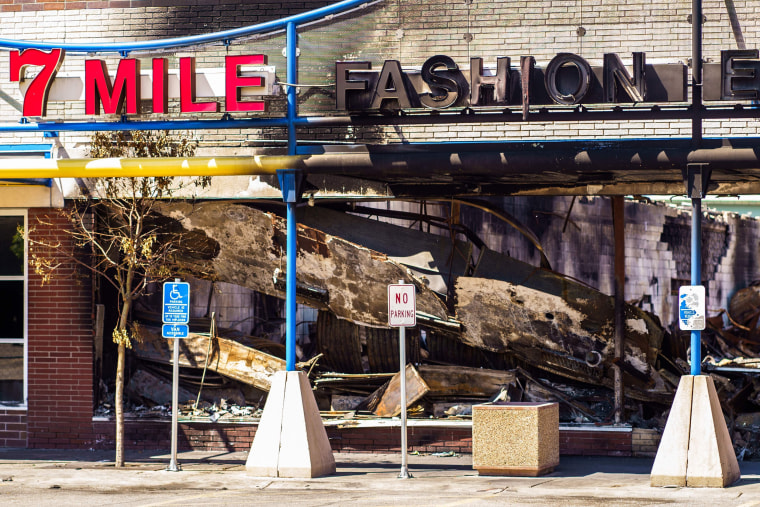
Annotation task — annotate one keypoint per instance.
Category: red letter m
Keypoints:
(99, 90)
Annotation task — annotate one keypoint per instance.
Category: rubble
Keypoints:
(386, 401)
(490, 328)
(225, 356)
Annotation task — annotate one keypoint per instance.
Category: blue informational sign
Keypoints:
(176, 303)
(691, 308)
(175, 331)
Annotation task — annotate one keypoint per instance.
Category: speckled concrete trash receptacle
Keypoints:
(515, 438)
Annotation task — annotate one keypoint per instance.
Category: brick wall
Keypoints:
(579, 242)
(644, 442)
(410, 32)
(595, 443)
(419, 438)
(58, 5)
(234, 437)
(60, 348)
(12, 428)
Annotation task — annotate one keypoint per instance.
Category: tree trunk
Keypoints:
(119, 395)
(119, 404)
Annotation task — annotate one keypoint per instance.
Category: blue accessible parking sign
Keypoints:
(175, 331)
(176, 308)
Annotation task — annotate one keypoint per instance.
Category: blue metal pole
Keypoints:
(290, 291)
(696, 201)
(696, 279)
(291, 74)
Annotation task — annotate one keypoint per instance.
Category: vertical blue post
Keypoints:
(698, 188)
(290, 184)
(291, 74)
(290, 297)
(696, 278)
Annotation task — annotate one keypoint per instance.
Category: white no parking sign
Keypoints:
(402, 307)
(402, 313)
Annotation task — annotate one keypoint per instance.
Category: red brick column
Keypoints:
(60, 405)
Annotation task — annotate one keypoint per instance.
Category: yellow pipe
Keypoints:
(20, 168)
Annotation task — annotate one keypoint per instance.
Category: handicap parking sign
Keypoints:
(176, 309)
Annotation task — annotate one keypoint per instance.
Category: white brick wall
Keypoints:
(411, 32)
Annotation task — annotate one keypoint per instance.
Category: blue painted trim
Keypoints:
(45, 182)
(44, 150)
(145, 125)
(223, 36)
(26, 149)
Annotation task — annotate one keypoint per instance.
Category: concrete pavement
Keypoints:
(62, 477)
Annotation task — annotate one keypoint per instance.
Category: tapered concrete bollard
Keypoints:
(695, 450)
(291, 440)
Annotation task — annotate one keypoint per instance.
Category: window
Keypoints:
(12, 309)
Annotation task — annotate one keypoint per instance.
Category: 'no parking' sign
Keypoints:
(402, 308)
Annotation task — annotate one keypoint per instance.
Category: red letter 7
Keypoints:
(35, 98)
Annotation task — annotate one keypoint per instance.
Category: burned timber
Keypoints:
(489, 326)
(476, 308)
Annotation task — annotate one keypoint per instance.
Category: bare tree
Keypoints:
(118, 236)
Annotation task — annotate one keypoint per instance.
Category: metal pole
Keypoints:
(290, 291)
(173, 465)
(291, 74)
(404, 474)
(290, 285)
(618, 226)
(696, 279)
(696, 201)
(696, 72)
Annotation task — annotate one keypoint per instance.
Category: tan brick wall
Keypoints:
(644, 442)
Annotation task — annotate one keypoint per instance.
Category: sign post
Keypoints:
(175, 315)
(402, 313)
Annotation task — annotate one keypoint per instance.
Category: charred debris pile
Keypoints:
(489, 327)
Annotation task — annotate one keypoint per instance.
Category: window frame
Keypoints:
(24, 340)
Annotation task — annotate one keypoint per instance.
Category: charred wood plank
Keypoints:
(389, 402)
(463, 381)
(147, 386)
(248, 247)
(226, 357)
(557, 315)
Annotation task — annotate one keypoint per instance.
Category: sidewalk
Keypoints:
(62, 477)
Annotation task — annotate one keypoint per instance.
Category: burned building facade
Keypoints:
(487, 133)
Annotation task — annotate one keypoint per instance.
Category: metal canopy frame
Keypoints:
(290, 194)
(696, 112)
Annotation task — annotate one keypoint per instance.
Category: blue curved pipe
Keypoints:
(85, 126)
(176, 42)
